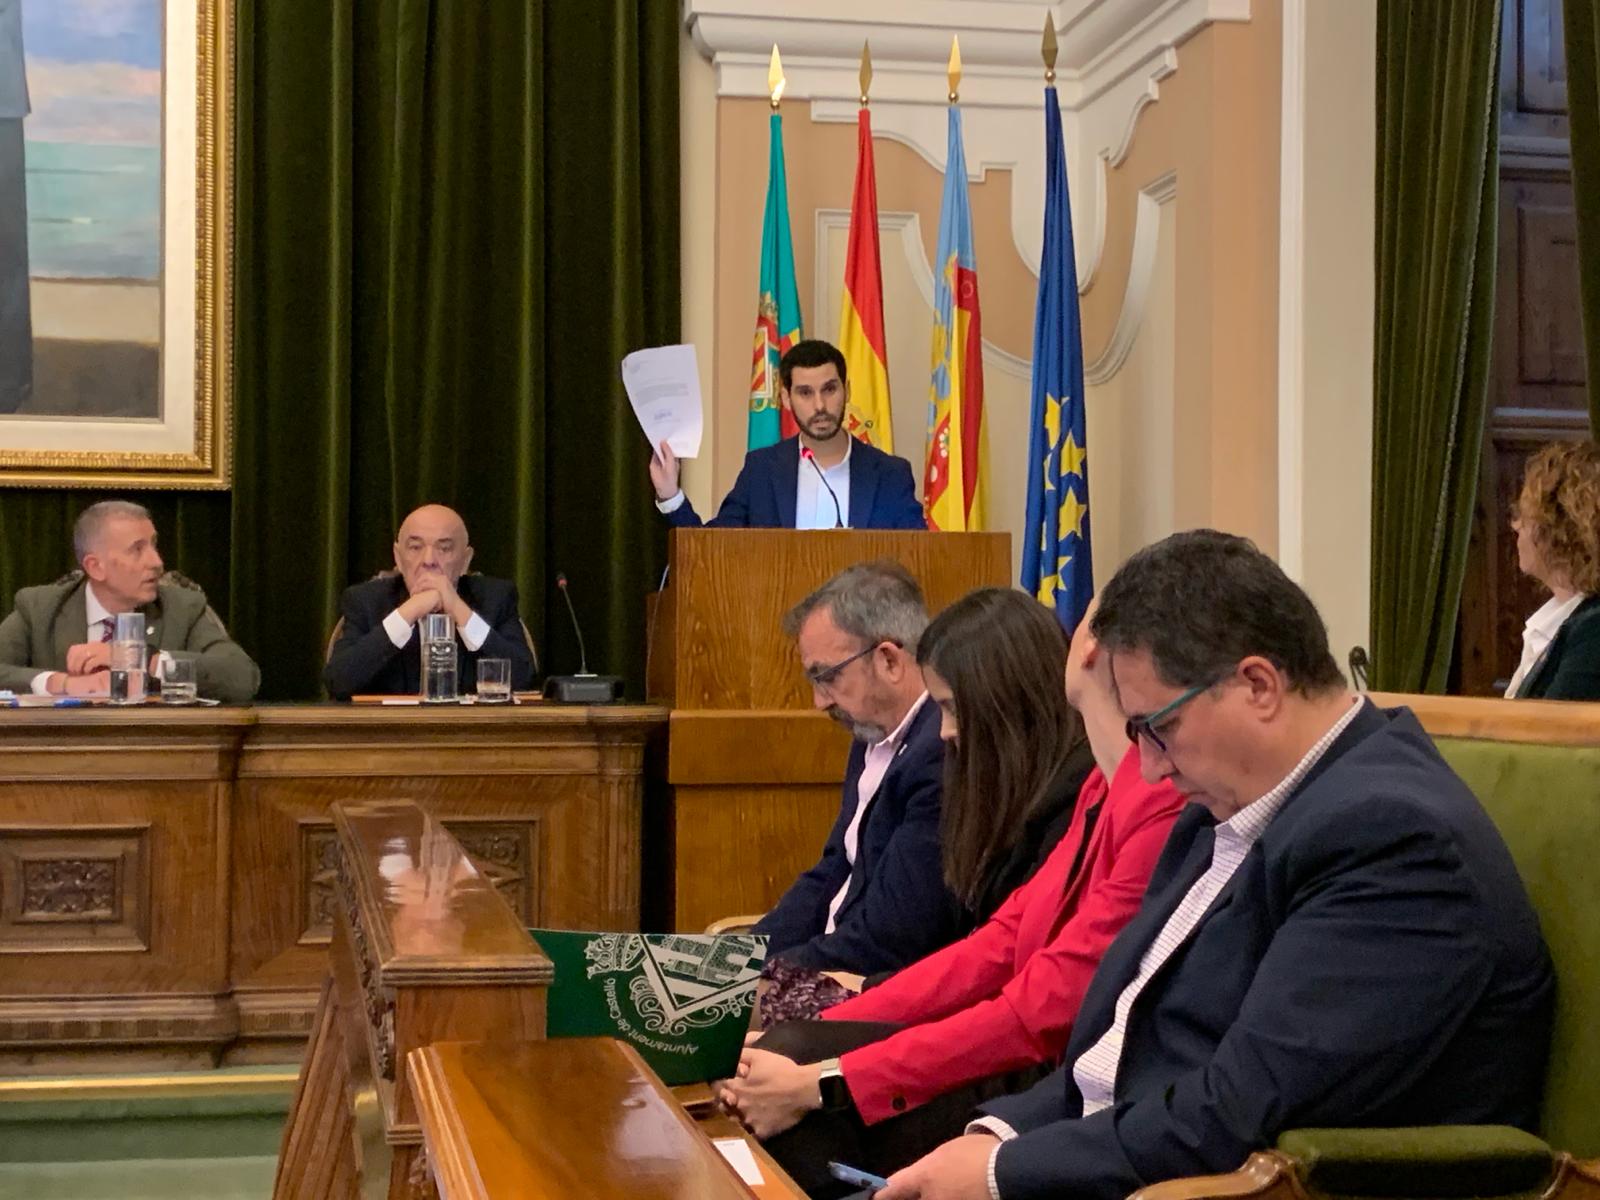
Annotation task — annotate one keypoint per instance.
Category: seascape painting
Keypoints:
(114, 190)
(92, 155)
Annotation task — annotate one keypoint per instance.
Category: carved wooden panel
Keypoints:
(1549, 325)
(1540, 57)
(74, 889)
(506, 852)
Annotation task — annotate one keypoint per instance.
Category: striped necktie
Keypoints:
(107, 627)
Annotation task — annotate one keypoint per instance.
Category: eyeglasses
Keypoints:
(825, 677)
(1145, 726)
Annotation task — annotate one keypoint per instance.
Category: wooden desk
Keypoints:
(424, 949)
(167, 875)
(577, 1117)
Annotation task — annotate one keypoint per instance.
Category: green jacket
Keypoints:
(51, 618)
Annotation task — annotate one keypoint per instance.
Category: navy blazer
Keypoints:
(1374, 961)
(883, 494)
(364, 659)
(1570, 668)
(898, 908)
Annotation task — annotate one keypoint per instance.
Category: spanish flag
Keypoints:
(951, 491)
(861, 339)
(778, 321)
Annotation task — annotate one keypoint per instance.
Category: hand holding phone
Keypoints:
(855, 1177)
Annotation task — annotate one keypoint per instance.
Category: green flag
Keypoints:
(778, 322)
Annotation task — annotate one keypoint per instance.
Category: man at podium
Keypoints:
(820, 479)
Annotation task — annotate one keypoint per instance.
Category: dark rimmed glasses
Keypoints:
(825, 677)
(1145, 727)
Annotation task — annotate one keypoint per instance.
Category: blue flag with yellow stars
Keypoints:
(1056, 563)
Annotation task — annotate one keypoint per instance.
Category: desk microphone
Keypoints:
(582, 688)
(838, 516)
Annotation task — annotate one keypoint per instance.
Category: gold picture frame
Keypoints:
(187, 443)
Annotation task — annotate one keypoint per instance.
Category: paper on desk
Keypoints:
(663, 386)
(737, 1152)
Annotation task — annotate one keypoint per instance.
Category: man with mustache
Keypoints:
(822, 478)
(57, 640)
(876, 899)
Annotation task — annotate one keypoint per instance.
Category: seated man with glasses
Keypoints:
(876, 899)
(1335, 935)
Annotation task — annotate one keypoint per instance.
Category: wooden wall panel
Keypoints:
(1539, 384)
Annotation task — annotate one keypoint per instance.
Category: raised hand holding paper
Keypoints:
(663, 385)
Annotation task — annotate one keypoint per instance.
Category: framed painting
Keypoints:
(116, 305)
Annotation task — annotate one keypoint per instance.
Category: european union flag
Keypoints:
(1056, 561)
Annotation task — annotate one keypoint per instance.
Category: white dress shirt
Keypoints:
(1095, 1072)
(1538, 633)
(400, 630)
(880, 755)
(813, 507)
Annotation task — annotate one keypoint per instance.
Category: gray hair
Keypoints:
(874, 601)
(92, 520)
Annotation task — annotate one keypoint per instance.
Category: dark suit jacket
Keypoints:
(1570, 668)
(883, 494)
(1373, 962)
(364, 659)
(897, 908)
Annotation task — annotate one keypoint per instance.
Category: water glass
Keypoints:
(128, 659)
(494, 681)
(178, 685)
(438, 659)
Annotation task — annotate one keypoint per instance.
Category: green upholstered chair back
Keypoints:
(1543, 792)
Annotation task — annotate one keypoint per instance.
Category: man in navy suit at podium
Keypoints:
(820, 479)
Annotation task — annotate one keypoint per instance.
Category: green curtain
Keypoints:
(452, 222)
(1582, 19)
(1437, 188)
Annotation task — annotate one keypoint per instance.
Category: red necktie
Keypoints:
(106, 624)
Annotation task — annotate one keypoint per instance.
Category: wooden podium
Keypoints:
(753, 769)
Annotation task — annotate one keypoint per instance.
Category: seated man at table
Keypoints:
(1335, 935)
(378, 650)
(57, 640)
(822, 478)
(876, 899)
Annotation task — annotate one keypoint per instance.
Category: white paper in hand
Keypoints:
(663, 386)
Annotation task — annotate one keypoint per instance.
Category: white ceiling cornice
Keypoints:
(1114, 54)
(1101, 43)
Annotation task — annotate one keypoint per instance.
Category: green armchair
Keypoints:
(1535, 765)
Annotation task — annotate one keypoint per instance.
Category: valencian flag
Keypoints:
(861, 338)
(778, 316)
(1056, 563)
(951, 492)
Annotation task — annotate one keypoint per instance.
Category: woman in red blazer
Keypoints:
(918, 1050)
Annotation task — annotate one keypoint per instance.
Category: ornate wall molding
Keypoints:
(1114, 56)
(1141, 270)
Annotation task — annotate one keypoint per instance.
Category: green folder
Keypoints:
(682, 1000)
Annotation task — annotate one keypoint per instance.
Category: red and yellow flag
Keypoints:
(861, 337)
(950, 483)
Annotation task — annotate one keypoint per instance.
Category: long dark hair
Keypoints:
(1004, 656)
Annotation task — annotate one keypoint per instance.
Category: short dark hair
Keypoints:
(813, 352)
(1201, 601)
(874, 601)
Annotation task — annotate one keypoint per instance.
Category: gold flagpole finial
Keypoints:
(955, 69)
(1049, 47)
(866, 71)
(775, 79)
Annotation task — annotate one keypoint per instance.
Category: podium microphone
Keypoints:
(838, 515)
(582, 688)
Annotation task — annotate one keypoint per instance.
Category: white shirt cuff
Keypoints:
(992, 1125)
(398, 629)
(474, 632)
(994, 1185)
(41, 683)
(671, 504)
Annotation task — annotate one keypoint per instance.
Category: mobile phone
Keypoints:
(857, 1178)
